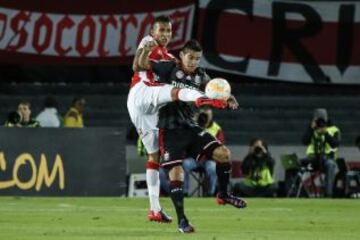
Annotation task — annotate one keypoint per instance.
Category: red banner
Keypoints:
(282, 40)
(83, 31)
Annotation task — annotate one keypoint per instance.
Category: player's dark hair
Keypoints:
(162, 19)
(192, 45)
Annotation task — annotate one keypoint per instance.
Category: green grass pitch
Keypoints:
(125, 218)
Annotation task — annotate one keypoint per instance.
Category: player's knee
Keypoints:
(176, 173)
(222, 154)
(154, 157)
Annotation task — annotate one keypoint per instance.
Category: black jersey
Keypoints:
(178, 114)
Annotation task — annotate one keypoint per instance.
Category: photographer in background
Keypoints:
(257, 167)
(13, 120)
(322, 139)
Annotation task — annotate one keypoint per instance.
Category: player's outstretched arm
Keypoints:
(141, 60)
(144, 61)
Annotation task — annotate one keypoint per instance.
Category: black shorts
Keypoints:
(178, 144)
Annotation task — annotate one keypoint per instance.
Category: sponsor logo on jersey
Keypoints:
(183, 85)
(156, 77)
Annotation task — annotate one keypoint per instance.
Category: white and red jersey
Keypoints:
(144, 102)
(159, 53)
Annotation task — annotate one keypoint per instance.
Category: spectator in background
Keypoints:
(49, 117)
(74, 117)
(258, 168)
(13, 120)
(24, 109)
(205, 120)
(322, 139)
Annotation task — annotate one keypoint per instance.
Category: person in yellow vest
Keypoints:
(322, 139)
(258, 168)
(205, 120)
(74, 117)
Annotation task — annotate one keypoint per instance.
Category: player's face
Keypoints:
(190, 60)
(162, 32)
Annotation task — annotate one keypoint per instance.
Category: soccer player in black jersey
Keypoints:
(181, 137)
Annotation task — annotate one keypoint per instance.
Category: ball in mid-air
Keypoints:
(218, 88)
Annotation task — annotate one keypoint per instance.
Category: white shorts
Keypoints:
(143, 104)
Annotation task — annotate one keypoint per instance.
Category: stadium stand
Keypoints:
(276, 112)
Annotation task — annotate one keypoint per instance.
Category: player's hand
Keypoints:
(232, 102)
(150, 45)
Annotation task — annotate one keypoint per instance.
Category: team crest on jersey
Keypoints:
(156, 77)
(197, 80)
(166, 156)
(179, 74)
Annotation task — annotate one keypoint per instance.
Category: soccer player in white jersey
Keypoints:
(146, 96)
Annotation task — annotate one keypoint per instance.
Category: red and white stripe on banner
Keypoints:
(300, 41)
(43, 33)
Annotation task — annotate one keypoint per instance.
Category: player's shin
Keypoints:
(177, 197)
(188, 95)
(223, 174)
(153, 183)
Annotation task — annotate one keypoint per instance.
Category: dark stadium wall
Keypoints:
(62, 162)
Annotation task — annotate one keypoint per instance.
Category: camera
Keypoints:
(320, 123)
(258, 150)
(14, 118)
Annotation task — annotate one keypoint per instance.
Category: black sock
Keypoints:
(223, 174)
(177, 197)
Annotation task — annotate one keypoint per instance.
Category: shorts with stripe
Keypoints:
(178, 144)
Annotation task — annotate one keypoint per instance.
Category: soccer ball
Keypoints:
(218, 88)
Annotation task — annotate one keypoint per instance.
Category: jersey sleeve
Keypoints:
(163, 69)
(205, 80)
